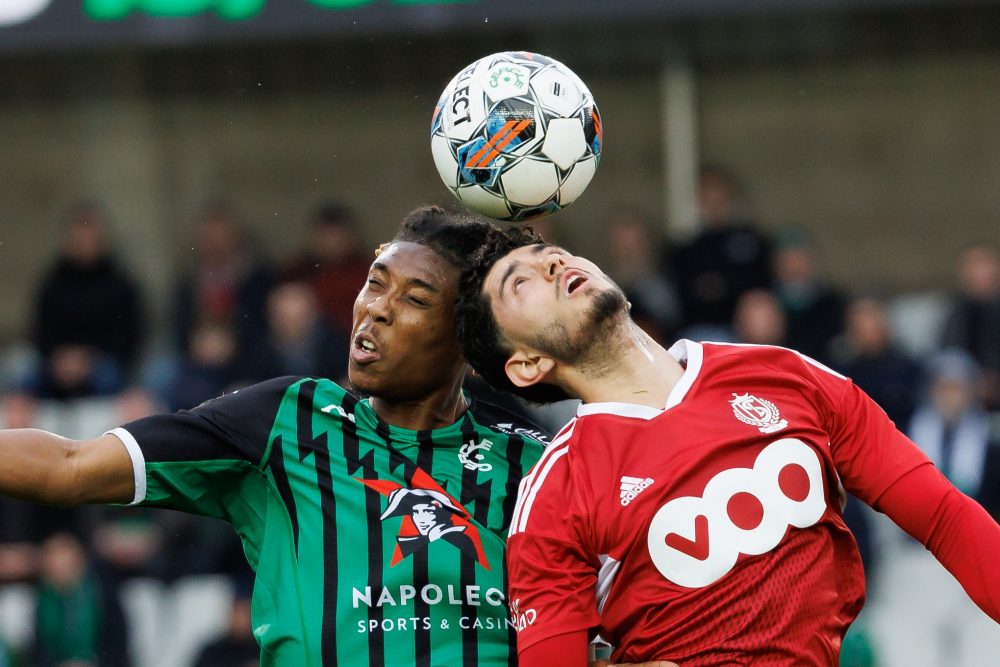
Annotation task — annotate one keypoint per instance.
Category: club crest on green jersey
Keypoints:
(429, 514)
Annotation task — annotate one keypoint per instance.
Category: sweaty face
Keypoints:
(403, 338)
(556, 303)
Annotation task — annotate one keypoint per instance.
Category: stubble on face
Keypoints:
(593, 345)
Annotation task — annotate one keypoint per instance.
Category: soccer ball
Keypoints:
(516, 135)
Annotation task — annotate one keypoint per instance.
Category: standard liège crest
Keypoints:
(758, 412)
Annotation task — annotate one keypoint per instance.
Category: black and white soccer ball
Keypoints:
(516, 135)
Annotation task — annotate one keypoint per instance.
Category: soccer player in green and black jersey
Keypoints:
(375, 519)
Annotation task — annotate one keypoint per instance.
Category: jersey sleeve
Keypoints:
(197, 460)
(869, 452)
(553, 574)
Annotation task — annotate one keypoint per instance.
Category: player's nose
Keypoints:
(380, 309)
(553, 265)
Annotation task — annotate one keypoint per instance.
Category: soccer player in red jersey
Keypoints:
(692, 510)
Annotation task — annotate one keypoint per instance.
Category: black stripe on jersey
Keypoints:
(515, 471)
(479, 495)
(421, 568)
(276, 461)
(373, 522)
(318, 446)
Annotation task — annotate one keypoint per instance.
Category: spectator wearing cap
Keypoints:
(333, 263)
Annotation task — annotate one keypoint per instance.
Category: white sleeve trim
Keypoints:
(138, 462)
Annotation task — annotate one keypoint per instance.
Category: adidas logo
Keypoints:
(632, 487)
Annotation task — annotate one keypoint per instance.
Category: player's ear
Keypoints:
(527, 368)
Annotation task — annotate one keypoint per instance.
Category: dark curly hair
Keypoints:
(452, 236)
(478, 333)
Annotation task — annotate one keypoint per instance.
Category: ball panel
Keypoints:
(577, 180)
(564, 142)
(505, 80)
(555, 90)
(445, 162)
(484, 202)
(530, 182)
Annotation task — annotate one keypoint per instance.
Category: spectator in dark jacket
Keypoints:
(88, 325)
(728, 257)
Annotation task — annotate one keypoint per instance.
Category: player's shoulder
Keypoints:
(554, 490)
(270, 393)
(508, 422)
(773, 358)
(748, 352)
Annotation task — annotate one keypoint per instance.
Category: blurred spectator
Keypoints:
(87, 323)
(227, 287)
(813, 309)
(954, 430)
(237, 648)
(210, 366)
(758, 319)
(634, 252)
(78, 621)
(727, 257)
(868, 355)
(299, 340)
(973, 323)
(334, 263)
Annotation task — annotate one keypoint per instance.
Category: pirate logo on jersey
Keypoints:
(429, 515)
(758, 412)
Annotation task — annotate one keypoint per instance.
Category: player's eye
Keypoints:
(518, 281)
(417, 301)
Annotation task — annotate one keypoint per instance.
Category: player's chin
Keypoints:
(364, 378)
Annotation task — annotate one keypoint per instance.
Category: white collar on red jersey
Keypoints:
(689, 354)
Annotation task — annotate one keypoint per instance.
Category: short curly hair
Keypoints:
(478, 332)
(452, 236)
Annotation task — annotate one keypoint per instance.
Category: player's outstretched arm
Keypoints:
(953, 527)
(47, 468)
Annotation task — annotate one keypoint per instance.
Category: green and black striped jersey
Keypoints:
(373, 545)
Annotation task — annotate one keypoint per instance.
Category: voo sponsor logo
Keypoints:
(695, 541)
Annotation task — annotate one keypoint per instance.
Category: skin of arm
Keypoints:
(47, 468)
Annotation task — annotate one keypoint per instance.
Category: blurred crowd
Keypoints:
(125, 586)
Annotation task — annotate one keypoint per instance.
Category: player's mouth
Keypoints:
(571, 281)
(365, 349)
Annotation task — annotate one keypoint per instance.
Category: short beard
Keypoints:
(590, 347)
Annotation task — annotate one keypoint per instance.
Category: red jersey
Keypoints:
(709, 532)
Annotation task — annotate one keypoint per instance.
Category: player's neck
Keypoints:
(438, 409)
(640, 371)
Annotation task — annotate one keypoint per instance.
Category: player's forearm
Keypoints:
(36, 465)
(47, 468)
(956, 529)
